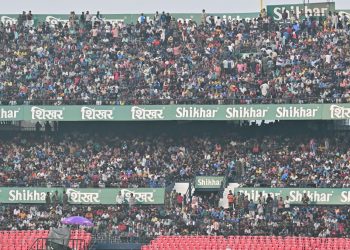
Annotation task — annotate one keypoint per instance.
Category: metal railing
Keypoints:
(54, 243)
(111, 238)
(179, 101)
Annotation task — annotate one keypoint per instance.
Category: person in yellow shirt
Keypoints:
(22, 215)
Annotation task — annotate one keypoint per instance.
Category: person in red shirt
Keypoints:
(179, 200)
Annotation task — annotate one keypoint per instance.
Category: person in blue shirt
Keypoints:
(142, 18)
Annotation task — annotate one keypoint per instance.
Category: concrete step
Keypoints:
(223, 201)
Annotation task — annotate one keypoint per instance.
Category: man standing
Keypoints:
(287, 203)
(55, 198)
(204, 17)
(260, 208)
(88, 20)
(173, 197)
(261, 198)
(280, 204)
(119, 198)
(48, 199)
(64, 199)
(251, 208)
(231, 200)
(344, 21)
(275, 205)
(179, 199)
(22, 19)
(132, 201)
(30, 21)
(269, 204)
(305, 199)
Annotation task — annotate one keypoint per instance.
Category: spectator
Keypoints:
(120, 199)
(251, 208)
(275, 205)
(281, 204)
(179, 200)
(287, 203)
(150, 54)
(48, 199)
(64, 199)
(132, 201)
(231, 200)
(305, 199)
(260, 208)
(55, 199)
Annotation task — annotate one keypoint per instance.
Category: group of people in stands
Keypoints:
(198, 216)
(161, 60)
(87, 160)
(95, 160)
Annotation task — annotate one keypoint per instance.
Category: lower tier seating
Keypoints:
(23, 240)
(246, 243)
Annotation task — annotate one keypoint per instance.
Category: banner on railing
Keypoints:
(274, 11)
(300, 10)
(54, 19)
(209, 182)
(317, 196)
(91, 196)
(177, 112)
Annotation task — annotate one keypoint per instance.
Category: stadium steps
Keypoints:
(182, 187)
(223, 201)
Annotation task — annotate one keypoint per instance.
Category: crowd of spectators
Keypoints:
(198, 216)
(86, 60)
(99, 160)
(162, 60)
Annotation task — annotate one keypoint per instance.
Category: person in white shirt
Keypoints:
(16, 211)
(260, 208)
(335, 20)
(218, 22)
(120, 199)
(264, 89)
(287, 203)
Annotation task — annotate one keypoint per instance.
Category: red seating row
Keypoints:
(22, 240)
(246, 243)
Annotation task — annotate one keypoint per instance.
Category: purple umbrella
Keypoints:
(77, 220)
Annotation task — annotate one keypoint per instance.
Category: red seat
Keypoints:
(246, 243)
(21, 240)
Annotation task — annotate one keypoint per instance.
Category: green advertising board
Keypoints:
(209, 182)
(315, 9)
(26, 194)
(54, 19)
(272, 10)
(318, 196)
(91, 196)
(176, 112)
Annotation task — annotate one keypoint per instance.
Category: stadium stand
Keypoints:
(180, 216)
(23, 240)
(86, 160)
(163, 61)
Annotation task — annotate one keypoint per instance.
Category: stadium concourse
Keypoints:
(280, 186)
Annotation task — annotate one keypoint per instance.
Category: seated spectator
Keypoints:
(89, 60)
